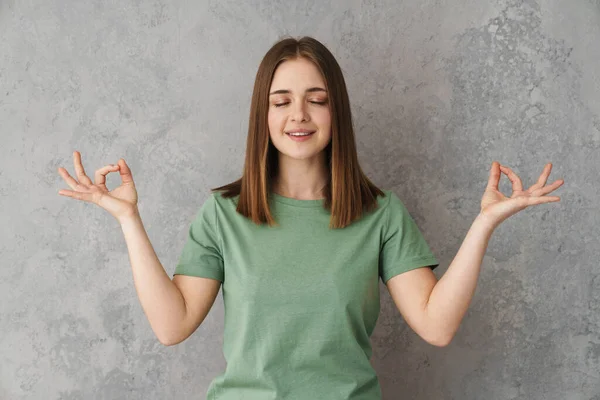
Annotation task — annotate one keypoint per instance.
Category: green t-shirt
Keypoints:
(300, 300)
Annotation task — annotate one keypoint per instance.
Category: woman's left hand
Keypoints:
(495, 207)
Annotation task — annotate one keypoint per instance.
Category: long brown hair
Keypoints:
(349, 192)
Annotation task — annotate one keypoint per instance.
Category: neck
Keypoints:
(301, 179)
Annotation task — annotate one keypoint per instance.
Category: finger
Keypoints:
(73, 184)
(100, 174)
(544, 176)
(547, 189)
(541, 200)
(85, 196)
(517, 185)
(125, 172)
(494, 178)
(80, 172)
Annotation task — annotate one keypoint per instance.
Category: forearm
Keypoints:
(161, 300)
(452, 294)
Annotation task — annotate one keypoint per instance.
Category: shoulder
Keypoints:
(390, 200)
(218, 197)
(384, 203)
(393, 209)
(221, 204)
(210, 206)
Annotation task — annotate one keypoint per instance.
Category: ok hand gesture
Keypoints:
(120, 202)
(496, 207)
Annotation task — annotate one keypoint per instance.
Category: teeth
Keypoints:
(299, 134)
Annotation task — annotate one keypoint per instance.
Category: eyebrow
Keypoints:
(285, 91)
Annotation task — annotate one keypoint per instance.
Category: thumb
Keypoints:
(125, 172)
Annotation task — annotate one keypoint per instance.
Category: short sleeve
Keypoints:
(202, 253)
(403, 248)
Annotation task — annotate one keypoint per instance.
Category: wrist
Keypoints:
(131, 216)
(486, 221)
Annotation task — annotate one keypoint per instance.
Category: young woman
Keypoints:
(299, 244)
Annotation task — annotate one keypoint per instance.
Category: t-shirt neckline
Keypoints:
(297, 202)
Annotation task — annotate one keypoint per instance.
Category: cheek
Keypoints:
(273, 122)
(324, 120)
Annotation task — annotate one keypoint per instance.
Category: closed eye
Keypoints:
(314, 102)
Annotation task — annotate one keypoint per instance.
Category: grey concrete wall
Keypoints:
(439, 90)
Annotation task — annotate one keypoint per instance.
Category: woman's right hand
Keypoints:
(121, 202)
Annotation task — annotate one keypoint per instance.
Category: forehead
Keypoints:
(297, 74)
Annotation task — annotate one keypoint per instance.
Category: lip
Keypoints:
(300, 138)
(301, 130)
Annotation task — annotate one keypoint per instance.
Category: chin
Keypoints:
(300, 155)
(299, 151)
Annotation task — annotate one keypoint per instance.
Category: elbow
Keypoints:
(440, 340)
(173, 336)
(437, 333)
(438, 336)
(167, 341)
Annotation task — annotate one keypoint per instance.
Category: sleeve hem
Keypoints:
(201, 272)
(386, 218)
(222, 249)
(415, 263)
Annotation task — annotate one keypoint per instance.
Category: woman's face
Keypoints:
(300, 101)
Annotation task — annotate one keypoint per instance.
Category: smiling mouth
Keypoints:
(300, 135)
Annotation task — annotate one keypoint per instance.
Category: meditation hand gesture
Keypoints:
(120, 202)
(496, 207)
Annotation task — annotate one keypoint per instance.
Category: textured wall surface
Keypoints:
(439, 90)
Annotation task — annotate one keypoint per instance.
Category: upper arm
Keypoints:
(410, 292)
(403, 257)
(200, 269)
(199, 295)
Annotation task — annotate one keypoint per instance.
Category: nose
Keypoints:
(299, 112)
